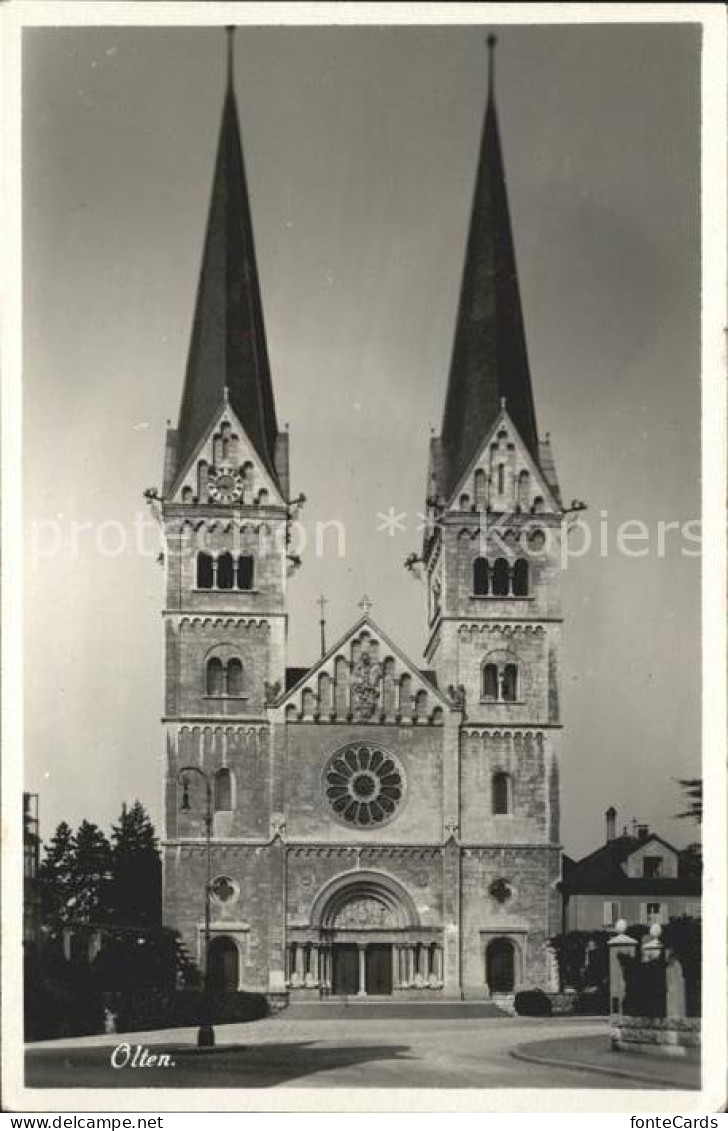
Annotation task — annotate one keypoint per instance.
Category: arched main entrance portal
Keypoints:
(365, 939)
(500, 966)
(224, 965)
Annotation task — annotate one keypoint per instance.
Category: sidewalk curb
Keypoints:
(520, 1053)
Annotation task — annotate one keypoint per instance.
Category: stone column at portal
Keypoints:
(362, 970)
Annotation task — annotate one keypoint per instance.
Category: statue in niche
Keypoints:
(366, 681)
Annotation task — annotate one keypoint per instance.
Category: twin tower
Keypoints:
(377, 828)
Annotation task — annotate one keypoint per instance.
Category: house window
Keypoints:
(223, 790)
(501, 788)
(611, 913)
(480, 577)
(655, 913)
(652, 867)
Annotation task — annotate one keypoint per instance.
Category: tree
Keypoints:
(693, 790)
(136, 869)
(54, 876)
(90, 873)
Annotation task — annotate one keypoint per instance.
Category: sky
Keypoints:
(360, 146)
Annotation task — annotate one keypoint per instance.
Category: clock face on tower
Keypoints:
(225, 485)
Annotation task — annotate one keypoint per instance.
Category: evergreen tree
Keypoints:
(89, 874)
(54, 876)
(693, 790)
(136, 869)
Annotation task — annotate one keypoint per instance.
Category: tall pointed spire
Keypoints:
(228, 355)
(489, 358)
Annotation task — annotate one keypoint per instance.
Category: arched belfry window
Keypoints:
(225, 571)
(500, 794)
(520, 578)
(234, 677)
(500, 680)
(500, 578)
(246, 570)
(223, 790)
(480, 577)
(215, 680)
(205, 574)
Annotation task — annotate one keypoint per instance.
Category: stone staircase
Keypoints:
(382, 1008)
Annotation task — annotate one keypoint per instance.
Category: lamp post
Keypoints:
(206, 1032)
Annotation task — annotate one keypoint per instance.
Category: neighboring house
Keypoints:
(638, 877)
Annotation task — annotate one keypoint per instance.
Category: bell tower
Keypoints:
(491, 552)
(225, 512)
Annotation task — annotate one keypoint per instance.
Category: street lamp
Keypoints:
(206, 1032)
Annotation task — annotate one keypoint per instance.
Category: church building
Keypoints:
(378, 826)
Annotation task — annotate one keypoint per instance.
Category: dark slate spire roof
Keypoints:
(489, 358)
(228, 347)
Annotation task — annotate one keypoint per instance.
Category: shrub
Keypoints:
(532, 1003)
(60, 999)
(136, 1012)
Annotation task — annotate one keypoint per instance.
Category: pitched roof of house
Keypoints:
(602, 871)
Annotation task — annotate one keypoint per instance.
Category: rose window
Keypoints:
(364, 785)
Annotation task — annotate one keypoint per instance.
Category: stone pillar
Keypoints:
(396, 974)
(362, 991)
(298, 974)
(621, 944)
(676, 998)
(438, 963)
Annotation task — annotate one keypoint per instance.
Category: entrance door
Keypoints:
(500, 966)
(224, 966)
(346, 969)
(379, 968)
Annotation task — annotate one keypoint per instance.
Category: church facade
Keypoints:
(377, 827)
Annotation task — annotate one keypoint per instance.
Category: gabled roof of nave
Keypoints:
(423, 679)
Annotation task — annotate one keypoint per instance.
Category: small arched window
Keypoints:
(510, 683)
(480, 483)
(500, 578)
(490, 681)
(225, 571)
(223, 790)
(204, 571)
(234, 677)
(501, 478)
(501, 794)
(480, 577)
(215, 685)
(520, 578)
(246, 569)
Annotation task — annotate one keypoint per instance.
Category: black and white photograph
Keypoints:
(363, 494)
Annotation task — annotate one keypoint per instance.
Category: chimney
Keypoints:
(643, 832)
(611, 818)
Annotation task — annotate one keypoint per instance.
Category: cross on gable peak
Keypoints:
(366, 605)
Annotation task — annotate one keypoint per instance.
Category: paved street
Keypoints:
(285, 1052)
